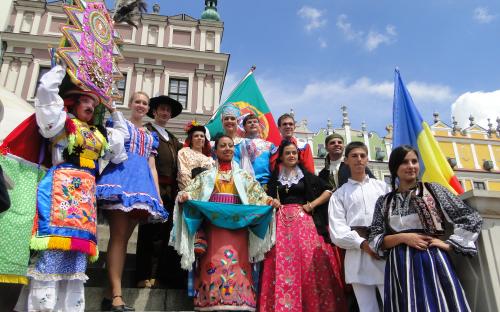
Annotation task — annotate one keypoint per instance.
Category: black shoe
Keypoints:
(107, 305)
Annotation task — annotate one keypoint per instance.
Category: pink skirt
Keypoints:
(301, 272)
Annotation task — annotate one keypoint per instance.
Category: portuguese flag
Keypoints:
(248, 98)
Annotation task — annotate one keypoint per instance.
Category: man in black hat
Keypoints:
(336, 172)
(161, 109)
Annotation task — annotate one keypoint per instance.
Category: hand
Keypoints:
(308, 207)
(275, 204)
(417, 241)
(182, 197)
(366, 248)
(110, 105)
(436, 242)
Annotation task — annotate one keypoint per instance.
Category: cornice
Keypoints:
(172, 54)
(25, 40)
(467, 140)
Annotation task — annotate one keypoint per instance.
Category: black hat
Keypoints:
(175, 106)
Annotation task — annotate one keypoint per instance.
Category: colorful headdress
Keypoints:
(230, 110)
(194, 125)
(89, 47)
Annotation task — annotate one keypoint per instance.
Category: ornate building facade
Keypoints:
(176, 55)
(472, 152)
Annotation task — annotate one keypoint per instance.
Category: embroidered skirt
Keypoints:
(422, 281)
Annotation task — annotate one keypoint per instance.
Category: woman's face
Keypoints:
(229, 124)
(409, 168)
(197, 140)
(290, 156)
(139, 105)
(84, 109)
(225, 149)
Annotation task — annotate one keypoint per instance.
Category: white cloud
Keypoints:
(370, 41)
(346, 27)
(314, 18)
(366, 100)
(374, 38)
(481, 15)
(481, 105)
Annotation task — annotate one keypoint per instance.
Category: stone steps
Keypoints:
(143, 299)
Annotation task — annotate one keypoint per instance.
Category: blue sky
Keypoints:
(317, 55)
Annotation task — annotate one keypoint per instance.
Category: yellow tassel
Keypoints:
(13, 279)
(87, 163)
(61, 243)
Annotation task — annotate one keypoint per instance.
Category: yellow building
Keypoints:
(473, 152)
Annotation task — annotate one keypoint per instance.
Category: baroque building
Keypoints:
(178, 55)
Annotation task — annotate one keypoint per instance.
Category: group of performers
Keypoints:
(251, 221)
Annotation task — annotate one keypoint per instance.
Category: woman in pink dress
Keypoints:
(301, 272)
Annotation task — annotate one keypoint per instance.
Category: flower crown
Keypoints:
(191, 124)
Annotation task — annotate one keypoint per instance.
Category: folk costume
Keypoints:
(169, 270)
(65, 226)
(253, 155)
(350, 214)
(424, 280)
(301, 272)
(239, 230)
(306, 159)
(129, 186)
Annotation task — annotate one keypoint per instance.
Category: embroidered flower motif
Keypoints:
(228, 253)
(286, 301)
(76, 182)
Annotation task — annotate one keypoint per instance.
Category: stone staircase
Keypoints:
(141, 299)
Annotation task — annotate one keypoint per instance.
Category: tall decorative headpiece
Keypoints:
(230, 110)
(89, 47)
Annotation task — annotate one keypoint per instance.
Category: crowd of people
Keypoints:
(254, 225)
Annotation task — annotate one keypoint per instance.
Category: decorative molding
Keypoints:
(190, 77)
(171, 29)
(51, 15)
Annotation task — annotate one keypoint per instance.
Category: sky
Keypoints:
(315, 56)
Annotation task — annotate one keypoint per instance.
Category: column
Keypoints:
(456, 154)
(5, 70)
(492, 155)
(367, 143)
(217, 84)
(18, 22)
(144, 36)
(139, 78)
(161, 35)
(217, 42)
(22, 76)
(156, 85)
(203, 38)
(200, 96)
(36, 23)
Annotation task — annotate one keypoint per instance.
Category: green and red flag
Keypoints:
(248, 99)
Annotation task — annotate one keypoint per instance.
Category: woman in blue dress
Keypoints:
(129, 194)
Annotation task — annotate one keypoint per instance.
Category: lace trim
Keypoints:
(32, 273)
(292, 178)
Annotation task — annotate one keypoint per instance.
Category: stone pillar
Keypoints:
(5, 69)
(161, 36)
(217, 42)
(156, 85)
(201, 94)
(203, 38)
(217, 85)
(480, 276)
(22, 76)
(36, 23)
(139, 78)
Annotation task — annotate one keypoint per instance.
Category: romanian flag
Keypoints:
(248, 98)
(411, 129)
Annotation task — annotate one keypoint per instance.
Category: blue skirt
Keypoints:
(130, 186)
(422, 281)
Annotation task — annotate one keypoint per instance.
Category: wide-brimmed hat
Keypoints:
(175, 106)
(77, 91)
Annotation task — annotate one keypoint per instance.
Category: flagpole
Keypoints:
(250, 71)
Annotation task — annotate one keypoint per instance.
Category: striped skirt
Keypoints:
(422, 281)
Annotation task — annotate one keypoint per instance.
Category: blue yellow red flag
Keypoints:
(411, 129)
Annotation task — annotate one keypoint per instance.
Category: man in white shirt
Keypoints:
(350, 214)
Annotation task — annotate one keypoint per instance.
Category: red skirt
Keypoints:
(301, 272)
